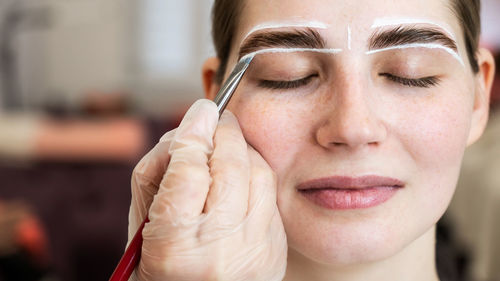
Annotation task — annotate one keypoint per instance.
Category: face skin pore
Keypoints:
(394, 101)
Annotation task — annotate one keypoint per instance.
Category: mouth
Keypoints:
(342, 192)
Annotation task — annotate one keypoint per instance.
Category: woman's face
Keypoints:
(367, 139)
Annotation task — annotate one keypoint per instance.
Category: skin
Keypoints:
(352, 122)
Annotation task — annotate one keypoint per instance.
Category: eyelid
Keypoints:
(287, 84)
(423, 82)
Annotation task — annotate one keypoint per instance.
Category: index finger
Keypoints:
(183, 189)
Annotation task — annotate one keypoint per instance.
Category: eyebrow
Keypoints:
(296, 38)
(275, 25)
(383, 22)
(382, 39)
(404, 35)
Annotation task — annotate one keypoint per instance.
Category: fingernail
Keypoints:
(227, 116)
(168, 136)
(200, 105)
(202, 108)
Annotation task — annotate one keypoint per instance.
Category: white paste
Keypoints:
(292, 50)
(421, 45)
(348, 37)
(271, 25)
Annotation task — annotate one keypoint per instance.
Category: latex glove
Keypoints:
(214, 215)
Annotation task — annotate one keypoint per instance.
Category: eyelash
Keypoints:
(286, 85)
(424, 82)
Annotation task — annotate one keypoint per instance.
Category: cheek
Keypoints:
(275, 127)
(434, 133)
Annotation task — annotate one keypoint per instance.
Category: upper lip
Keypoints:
(347, 182)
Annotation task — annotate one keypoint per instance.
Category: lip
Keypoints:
(344, 192)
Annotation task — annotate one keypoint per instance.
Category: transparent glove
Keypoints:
(212, 205)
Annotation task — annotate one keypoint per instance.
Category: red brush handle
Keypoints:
(130, 258)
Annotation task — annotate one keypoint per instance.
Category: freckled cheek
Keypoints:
(444, 134)
(438, 150)
(273, 129)
(435, 134)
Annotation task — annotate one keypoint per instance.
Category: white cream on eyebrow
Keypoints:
(348, 37)
(421, 45)
(381, 22)
(292, 50)
(270, 25)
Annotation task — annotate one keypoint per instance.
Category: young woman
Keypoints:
(336, 156)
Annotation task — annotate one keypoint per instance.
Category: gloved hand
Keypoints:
(212, 205)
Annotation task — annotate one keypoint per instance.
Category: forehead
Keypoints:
(338, 14)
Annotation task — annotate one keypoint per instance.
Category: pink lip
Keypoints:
(342, 192)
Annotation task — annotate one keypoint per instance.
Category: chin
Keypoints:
(352, 237)
(349, 245)
(366, 235)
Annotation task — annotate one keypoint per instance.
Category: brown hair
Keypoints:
(225, 14)
(468, 14)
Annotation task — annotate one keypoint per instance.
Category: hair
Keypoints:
(468, 14)
(225, 15)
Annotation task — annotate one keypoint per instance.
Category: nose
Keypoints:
(350, 119)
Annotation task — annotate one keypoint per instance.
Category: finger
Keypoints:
(146, 179)
(184, 187)
(229, 168)
(262, 197)
(168, 136)
(154, 164)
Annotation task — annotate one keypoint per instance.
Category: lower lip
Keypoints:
(341, 199)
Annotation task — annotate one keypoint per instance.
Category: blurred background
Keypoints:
(88, 86)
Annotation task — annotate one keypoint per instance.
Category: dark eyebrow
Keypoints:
(303, 38)
(409, 34)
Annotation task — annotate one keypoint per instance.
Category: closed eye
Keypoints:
(424, 82)
(286, 84)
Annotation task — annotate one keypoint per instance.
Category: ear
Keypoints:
(209, 70)
(484, 80)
